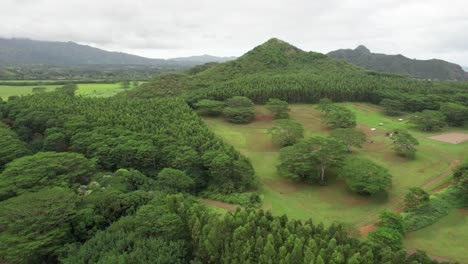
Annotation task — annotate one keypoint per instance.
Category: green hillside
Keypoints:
(277, 69)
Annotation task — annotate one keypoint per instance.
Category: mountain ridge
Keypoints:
(399, 64)
(20, 51)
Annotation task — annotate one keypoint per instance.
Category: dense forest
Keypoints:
(117, 180)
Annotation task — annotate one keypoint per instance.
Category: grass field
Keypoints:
(92, 89)
(334, 203)
(448, 237)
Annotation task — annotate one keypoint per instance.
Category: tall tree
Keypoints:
(339, 117)
(286, 132)
(278, 108)
(429, 120)
(239, 110)
(404, 143)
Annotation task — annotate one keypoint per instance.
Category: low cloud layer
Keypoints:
(422, 29)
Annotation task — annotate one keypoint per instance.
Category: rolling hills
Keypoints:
(399, 64)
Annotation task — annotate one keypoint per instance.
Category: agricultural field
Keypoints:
(91, 89)
(334, 202)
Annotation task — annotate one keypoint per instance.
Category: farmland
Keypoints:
(91, 89)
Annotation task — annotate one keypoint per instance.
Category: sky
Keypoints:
(422, 29)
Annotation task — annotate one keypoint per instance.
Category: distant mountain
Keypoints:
(26, 51)
(399, 64)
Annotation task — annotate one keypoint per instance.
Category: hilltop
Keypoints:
(26, 52)
(399, 64)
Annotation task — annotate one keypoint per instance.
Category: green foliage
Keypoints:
(462, 189)
(239, 110)
(178, 230)
(425, 214)
(350, 137)
(325, 105)
(386, 237)
(31, 173)
(278, 108)
(416, 196)
(339, 117)
(175, 180)
(244, 199)
(228, 174)
(404, 143)
(455, 114)
(68, 89)
(209, 107)
(392, 107)
(365, 177)
(308, 159)
(55, 141)
(460, 171)
(286, 132)
(35, 226)
(156, 234)
(10, 146)
(389, 219)
(429, 120)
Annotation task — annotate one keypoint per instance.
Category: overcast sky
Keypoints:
(422, 29)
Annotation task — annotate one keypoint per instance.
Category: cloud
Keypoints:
(415, 28)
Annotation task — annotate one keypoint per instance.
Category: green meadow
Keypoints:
(334, 202)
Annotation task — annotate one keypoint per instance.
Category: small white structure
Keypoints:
(400, 119)
(373, 129)
(380, 124)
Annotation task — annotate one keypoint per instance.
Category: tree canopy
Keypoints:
(309, 159)
(286, 132)
(365, 177)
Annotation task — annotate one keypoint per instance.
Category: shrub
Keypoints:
(364, 176)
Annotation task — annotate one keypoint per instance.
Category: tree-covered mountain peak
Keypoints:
(362, 49)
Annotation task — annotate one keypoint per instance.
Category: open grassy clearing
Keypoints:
(448, 237)
(334, 202)
(91, 89)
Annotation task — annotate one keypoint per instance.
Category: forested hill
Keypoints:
(25, 51)
(276, 69)
(399, 64)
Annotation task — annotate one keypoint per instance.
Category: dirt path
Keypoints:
(223, 205)
(370, 227)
